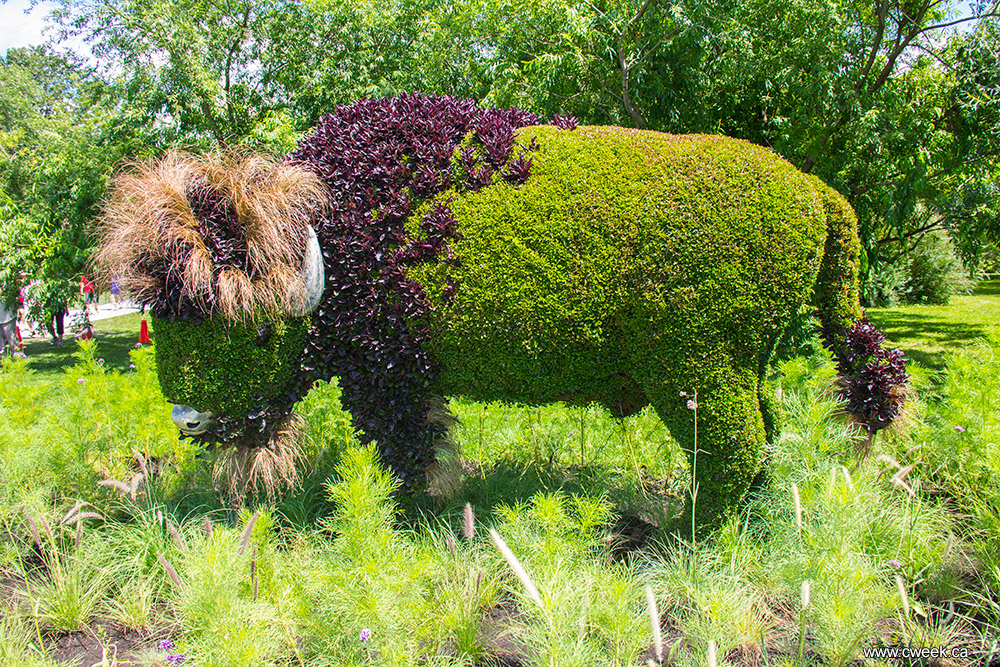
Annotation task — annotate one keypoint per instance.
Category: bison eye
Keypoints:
(263, 334)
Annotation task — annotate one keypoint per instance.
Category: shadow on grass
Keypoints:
(987, 288)
(511, 483)
(115, 338)
(909, 330)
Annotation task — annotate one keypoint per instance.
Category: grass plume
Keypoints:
(170, 571)
(469, 523)
(271, 469)
(152, 229)
(518, 569)
(654, 623)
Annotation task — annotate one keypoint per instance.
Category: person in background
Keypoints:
(23, 306)
(55, 317)
(88, 294)
(8, 328)
(115, 292)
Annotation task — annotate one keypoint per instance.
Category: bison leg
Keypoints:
(722, 434)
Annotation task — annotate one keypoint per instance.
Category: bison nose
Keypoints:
(190, 421)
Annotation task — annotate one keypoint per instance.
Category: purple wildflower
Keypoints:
(895, 564)
(80, 381)
(138, 346)
(131, 367)
(960, 429)
(364, 635)
(165, 645)
(176, 658)
(100, 361)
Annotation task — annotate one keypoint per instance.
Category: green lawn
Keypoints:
(928, 333)
(115, 337)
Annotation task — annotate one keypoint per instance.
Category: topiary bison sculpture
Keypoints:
(420, 247)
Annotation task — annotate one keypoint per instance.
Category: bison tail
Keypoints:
(837, 288)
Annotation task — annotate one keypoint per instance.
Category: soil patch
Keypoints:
(498, 635)
(103, 640)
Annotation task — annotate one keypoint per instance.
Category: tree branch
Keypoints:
(241, 35)
(923, 229)
(873, 54)
(639, 14)
(633, 112)
(858, 191)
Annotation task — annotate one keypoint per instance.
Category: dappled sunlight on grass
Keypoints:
(928, 333)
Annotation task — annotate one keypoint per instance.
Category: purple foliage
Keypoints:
(863, 339)
(480, 177)
(467, 158)
(517, 170)
(565, 122)
(874, 378)
(381, 158)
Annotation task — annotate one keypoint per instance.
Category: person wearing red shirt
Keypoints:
(87, 291)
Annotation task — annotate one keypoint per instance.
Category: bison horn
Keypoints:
(313, 277)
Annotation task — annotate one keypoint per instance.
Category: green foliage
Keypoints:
(233, 610)
(83, 428)
(559, 436)
(858, 524)
(213, 59)
(634, 266)
(417, 600)
(893, 107)
(65, 595)
(858, 529)
(910, 141)
(221, 366)
(935, 272)
(18, 646)
(55, 163)
(930, 273)
(591, 613)
(837, 290)
(960, 439)
(276, 594)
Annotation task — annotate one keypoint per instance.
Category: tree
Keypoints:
(54, 165)
(202, 73)
(889, 104)
(895, 104)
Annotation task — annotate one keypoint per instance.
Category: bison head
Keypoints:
(223, 252)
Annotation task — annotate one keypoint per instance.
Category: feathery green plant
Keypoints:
(17, 646)
(590, 612)
(65, 592)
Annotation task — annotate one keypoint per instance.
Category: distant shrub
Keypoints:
(885, 286)
(990, 262)
(931, 273)
(935, 272)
